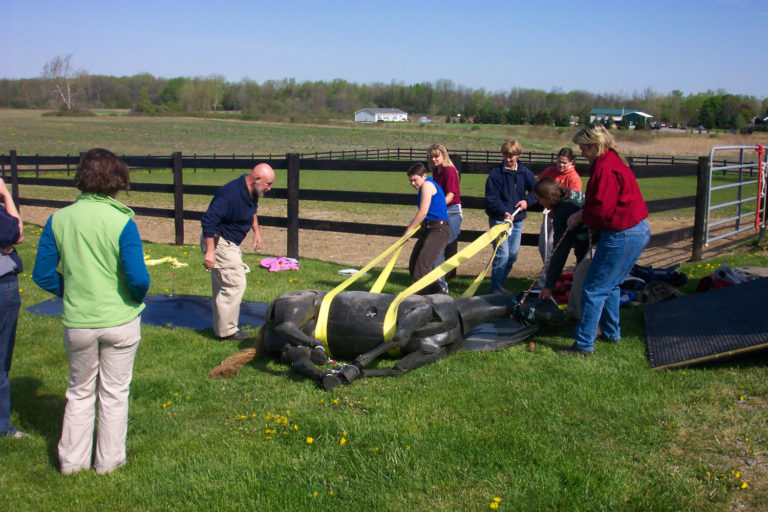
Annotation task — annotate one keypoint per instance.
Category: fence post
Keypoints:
(457, 163)
(178, 198)
(15, 180)
(292, 206)
(700, 216)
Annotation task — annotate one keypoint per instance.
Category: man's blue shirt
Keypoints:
(231, 212)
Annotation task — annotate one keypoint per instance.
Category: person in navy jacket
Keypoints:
(509, 186)
(230, 215)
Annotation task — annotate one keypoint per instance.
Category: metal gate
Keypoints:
(740, 195)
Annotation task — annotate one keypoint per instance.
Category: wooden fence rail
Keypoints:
(17, 166)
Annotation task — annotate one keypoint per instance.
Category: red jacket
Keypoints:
(613, 198)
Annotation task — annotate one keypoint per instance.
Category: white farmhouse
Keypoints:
(372, 115)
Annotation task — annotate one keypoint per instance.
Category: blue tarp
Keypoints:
(190, 311)
(195, 312)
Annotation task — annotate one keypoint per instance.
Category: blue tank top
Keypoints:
(437, 208)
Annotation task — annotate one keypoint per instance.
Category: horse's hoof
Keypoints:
(318, 356)
(330, 382)
(350, 372)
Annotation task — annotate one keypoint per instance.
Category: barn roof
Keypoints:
(382, 111)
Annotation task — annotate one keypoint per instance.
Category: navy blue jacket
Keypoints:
(231, 212)
(505, 188)
(9, 234)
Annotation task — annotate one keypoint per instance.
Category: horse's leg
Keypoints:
(406, 364)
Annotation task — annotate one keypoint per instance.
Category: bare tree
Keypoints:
(64, 79)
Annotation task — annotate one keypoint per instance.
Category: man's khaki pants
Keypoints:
(228, 287)
(100, 365)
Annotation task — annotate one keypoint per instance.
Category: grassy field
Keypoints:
(29, 132)
(536, 430)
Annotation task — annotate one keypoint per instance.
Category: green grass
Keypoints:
(30, 132)
(540, 431)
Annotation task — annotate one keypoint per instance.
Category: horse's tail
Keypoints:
(230, 366)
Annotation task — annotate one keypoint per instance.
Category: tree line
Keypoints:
(61, 86)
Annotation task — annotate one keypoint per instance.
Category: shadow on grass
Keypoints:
(40, 413)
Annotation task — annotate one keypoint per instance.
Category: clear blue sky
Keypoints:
(620, 46)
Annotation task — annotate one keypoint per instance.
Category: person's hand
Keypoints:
(21, 232)
(545, 294)
(574, 220)
(210, 260)
(509, 216)
(4, 189)
(522, 204)
(256, 241)
(6, 250)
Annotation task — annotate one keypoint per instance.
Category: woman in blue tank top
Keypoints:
(432, 215)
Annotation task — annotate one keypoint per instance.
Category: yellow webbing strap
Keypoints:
(390, 320)
(382, 279)
(167, 259)
(470, 291)
(321, 328)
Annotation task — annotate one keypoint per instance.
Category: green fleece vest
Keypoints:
(87, 234)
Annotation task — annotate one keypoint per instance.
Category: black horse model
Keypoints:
(428, 327)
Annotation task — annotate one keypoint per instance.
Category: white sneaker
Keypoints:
(16, 434)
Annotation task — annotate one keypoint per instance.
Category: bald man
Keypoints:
(231, 214)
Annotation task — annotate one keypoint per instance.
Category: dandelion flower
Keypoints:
(330, 492)
(314, 494)
(497, 500)
(310, 440)
(342, 441)
(335, 400)
(744, 485)
(493, 505)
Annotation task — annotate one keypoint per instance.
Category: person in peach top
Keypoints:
(565, 174)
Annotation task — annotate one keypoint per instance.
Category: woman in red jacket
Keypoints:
(615, 207)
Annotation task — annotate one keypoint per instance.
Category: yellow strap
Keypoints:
(390, 320)
(469, 292)
(167, 259)
(321, 328)
(382, 279)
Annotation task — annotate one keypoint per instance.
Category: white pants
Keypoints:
(228, 287)
(100, 365)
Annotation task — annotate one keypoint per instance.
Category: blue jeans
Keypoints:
(506, 256)
(454, 222)
(10, 303)
(614, 257)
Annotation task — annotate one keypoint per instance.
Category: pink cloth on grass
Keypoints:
(278, 264)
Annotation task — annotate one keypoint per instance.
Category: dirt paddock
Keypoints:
(357, 250)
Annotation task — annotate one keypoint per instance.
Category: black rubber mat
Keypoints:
(496, 335)
(708, 325)
(189, 311)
